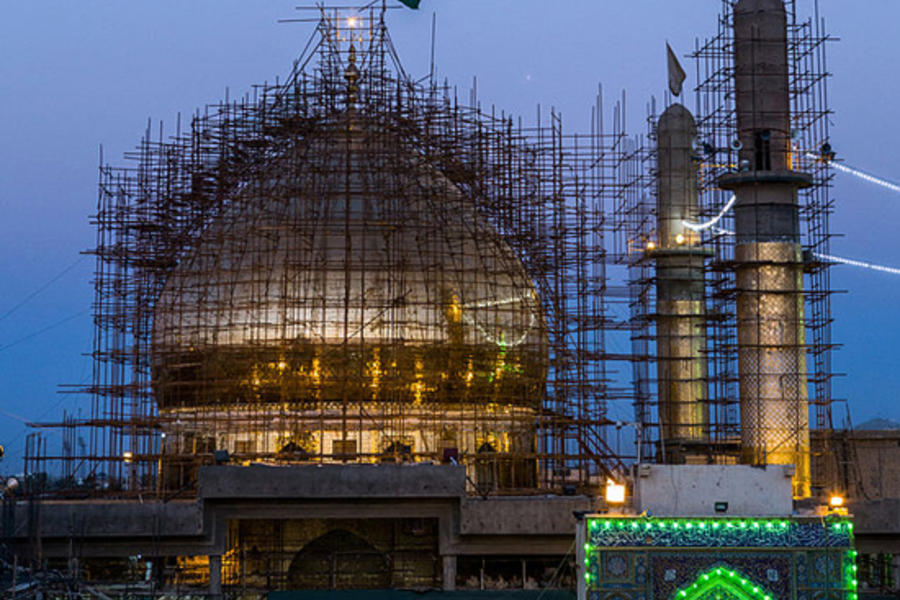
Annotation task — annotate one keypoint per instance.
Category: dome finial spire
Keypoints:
(351, 74)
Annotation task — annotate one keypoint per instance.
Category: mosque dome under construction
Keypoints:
(347, 277)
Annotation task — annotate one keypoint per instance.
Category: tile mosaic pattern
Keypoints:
(667, 559)
(713, 533)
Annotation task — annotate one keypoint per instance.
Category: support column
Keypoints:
(215, 575)
(449, 573)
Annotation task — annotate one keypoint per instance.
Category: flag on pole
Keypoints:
(676, 73)
(411, 3)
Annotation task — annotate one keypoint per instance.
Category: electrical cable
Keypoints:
(43, 330)
(42, 288)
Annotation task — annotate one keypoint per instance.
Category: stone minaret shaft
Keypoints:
(680, 293)
(768, 258)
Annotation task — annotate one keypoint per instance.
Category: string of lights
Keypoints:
(833, 258)
(714, 220)
(859, 263)
(844, 168)
(850, 170)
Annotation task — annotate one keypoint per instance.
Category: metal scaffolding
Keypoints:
(350, 266)
(716, 154)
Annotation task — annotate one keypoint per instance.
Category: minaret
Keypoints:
(680, 292)
(769, 269)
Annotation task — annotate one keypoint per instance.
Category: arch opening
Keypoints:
(339, 560)
(723, 583)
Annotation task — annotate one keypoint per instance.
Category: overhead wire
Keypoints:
(46, 285)
(34, 334)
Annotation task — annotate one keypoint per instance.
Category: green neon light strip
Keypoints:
(733, 581)
(721, 574)
(850, 582)
(678, 524)
(773, 525)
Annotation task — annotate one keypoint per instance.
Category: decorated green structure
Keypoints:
(733, 558)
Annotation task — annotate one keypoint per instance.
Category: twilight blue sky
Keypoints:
(74, 75)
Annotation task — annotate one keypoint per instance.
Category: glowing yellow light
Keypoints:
(615, 492)
(375, 371)
(651, 245)
(351, 22)
(314, 373)
(680, 239)
(127, 457)
(454, 309)
(836, 501)
(282, 365)
(418, 386)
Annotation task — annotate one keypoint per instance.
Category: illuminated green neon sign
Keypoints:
(729, 581)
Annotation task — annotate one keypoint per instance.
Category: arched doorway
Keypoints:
(339, 560)
(723, 583)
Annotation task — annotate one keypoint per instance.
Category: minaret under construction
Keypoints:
(680, 292)
(768, 256)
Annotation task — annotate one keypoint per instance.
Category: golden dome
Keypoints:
(348, 267)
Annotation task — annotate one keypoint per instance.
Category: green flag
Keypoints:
(411, 3)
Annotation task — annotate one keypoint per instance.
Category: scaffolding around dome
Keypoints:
(350, 266)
